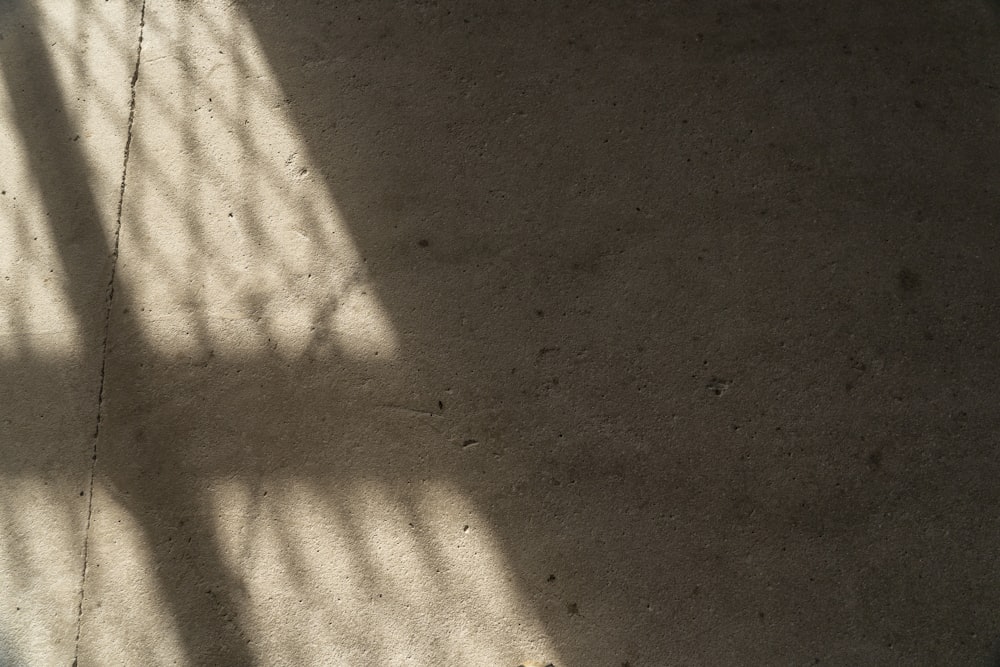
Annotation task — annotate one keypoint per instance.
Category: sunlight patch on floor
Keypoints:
(143, 628)
(39, 567)
(231, 241)
(36, 318)
(373, 574)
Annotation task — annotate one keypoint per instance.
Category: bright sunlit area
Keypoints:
(227, 247)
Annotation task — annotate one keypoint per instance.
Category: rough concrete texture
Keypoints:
(65, 71)
(532, 333)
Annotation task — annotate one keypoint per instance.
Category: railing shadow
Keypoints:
(656, 333)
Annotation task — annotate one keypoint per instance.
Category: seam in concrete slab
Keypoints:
(109, 299)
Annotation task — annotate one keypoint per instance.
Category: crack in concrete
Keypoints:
(109, 299)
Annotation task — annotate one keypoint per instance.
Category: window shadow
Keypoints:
(693, 334)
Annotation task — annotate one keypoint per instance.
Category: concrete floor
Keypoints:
(463, 333)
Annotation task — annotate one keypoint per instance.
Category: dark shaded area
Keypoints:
(710, 288)
(741, 261)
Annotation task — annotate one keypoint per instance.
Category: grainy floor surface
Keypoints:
(463, 333)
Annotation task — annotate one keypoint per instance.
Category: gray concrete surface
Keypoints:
(381, 333)
(64, 101)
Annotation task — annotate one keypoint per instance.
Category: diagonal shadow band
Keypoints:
(61, 174)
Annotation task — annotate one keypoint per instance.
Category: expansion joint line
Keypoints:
(109, 299)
